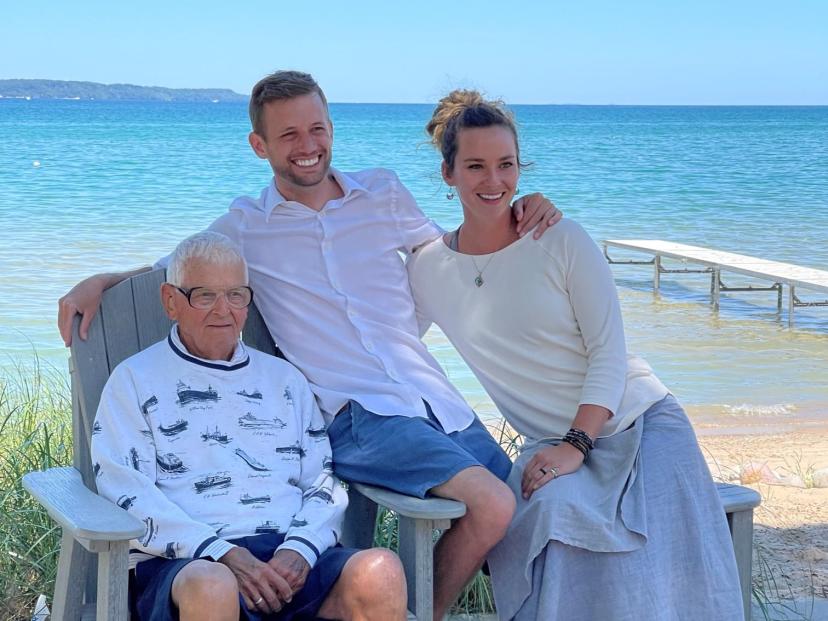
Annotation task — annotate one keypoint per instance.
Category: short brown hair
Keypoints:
(278, 86)
(461, 109)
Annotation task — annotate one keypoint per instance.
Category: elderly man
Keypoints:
(221, 450)
(324, 253)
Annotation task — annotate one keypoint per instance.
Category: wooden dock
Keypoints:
(714, 262)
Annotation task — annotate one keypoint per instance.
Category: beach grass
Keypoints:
(35, 433)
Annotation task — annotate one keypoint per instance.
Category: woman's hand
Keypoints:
(548, 464)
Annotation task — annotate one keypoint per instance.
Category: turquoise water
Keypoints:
(119, 183)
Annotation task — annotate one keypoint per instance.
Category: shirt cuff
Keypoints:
(213, 548)
(303, 547)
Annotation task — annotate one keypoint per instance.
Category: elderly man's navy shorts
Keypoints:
(410, 455)
(150, 588)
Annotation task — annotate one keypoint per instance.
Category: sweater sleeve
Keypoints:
(124, 458)
(595, 304)
(318, 524)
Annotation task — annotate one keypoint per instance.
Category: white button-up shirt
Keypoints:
(333, 289)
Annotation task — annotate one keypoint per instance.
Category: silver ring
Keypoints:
(258, 601)
(543, 471)
(554, 472)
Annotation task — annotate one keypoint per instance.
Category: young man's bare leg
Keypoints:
(462, 549)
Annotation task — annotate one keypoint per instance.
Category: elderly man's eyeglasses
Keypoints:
(205, 298)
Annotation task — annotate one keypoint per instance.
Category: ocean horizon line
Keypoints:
(432, 103)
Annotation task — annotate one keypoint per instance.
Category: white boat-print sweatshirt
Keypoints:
(204, 451)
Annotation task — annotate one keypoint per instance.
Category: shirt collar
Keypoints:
(272, 198)
(239, 359)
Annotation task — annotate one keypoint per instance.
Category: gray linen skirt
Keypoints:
(637, 533)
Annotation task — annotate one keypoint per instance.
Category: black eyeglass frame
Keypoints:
(187, 293)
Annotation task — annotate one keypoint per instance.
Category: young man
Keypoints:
(324, 254)
(221, 451)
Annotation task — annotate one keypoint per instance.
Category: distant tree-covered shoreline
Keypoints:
(61, 89)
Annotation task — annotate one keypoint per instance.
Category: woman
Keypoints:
(617, 515)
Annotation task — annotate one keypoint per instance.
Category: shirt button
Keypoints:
(369, 346)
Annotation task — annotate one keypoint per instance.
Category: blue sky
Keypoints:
(590, 52)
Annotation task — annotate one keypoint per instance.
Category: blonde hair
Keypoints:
(461, 109)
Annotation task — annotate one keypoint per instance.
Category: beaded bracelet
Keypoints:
(580, 440)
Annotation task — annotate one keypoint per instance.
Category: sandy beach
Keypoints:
(791, 526)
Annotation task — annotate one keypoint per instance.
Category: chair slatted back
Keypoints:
(131, 318)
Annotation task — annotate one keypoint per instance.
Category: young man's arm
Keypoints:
(85, 299)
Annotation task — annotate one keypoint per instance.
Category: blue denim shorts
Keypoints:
(150, 588)
(410, 455)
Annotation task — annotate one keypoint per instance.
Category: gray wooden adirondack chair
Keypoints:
(96, 532)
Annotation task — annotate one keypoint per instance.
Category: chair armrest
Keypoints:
(737, 498)
(79, 510)
(409, 506)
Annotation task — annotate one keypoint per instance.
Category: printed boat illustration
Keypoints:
(317, 433)
(288, 397)
(322, 494)
(188, 395)
(294, 523)
(293, 481)
(125, 502)
(247, 499)
(293, 449)
(268, 527)
(96, 428)
(250, 395)
(171, 551)
(249, 421)
(134, 459)
(216, 436)
(251, 461)
(174, 429)
(151, 402)
(217, 481)
(170, 462)
(150, 532)
(327, 464)
(97, 469)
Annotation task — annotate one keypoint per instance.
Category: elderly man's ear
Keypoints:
(168, 300)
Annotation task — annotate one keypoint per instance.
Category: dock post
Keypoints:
(791, 305)
(656, 273)
(716, 286)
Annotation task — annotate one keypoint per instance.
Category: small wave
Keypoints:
(747, 409)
